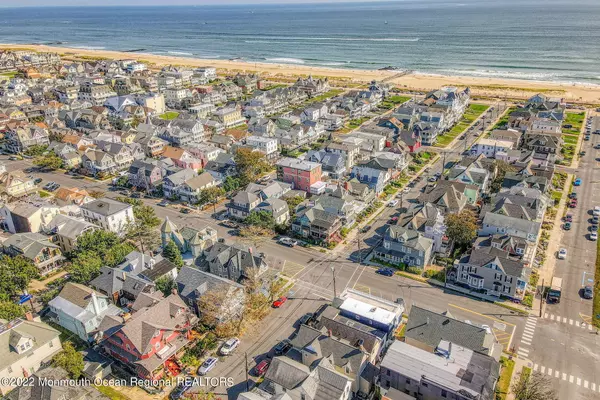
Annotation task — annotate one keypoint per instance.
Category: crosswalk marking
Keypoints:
(564, 376)
(571, 378)
(576, 323)
(594, 387)
(535, 367)
(550, 371)
(542, 369)
(556, 374)
(578, 381)
(570, 322)
(585, 384)
(564, 320)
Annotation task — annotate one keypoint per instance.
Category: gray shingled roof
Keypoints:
(105, 206)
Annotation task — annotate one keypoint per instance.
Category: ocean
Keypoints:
(549, 40)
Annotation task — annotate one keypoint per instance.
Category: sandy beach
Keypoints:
(488, 87)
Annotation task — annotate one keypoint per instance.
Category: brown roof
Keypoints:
(71, 194)
(237, 134)
(77, 294)
(173, 152)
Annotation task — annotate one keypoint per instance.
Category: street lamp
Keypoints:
(333, 273)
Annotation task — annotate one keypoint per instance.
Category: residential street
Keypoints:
(564, 344)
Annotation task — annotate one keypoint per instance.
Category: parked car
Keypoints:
(567, 226)
(385, 271)
(124, 192)
(393, 203)
(594, 235)
(569, 217)
(596, 210)
(588, 292)
(207, 365)
(179, 391)
(595, 219)
(393, 220)
(279, 302)
(262, 367)
(366, 229)
(406, 189)
(432, 179)
(230, 224)
(229, 346)
(573, 195)
(562, 254)
(163, 203)
(573, 203)
(286, 241)
(185, 210)
(37, 180)
(282, 347)
(577, 182)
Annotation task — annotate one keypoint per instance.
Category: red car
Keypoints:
(279, 302)
(573, 203)
(262, 367)
(569, 218)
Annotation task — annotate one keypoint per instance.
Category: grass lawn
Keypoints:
(169, 115)
(506, 371)
(324, 96)
(556, 195)
(394, 101)
(504, 120)
(574, 119)
(569, 139)
(355, 123)
(473, 112)
(10, 74)
(111, 393)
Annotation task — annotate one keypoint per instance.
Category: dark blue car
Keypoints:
(385, 271)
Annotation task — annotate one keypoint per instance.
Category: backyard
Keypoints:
(471, 114)
(169, 115)
(575, 121)
(393, 101)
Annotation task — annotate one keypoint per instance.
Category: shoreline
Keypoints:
(480, 86)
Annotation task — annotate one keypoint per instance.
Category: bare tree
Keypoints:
(534, 386)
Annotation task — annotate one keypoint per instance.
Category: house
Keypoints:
(449, 196)
(315, 344)
(16, 184)
(72, 196)
(109, 214)
(288, 379)
(144, 174)
(312, 86)
(158, 329)
(492, 148)
(316, 224)
(405, 246)
(80, 309)
(266, 145)
(45, 255)
(187, 239)
(301, 174)
(332, 164)
(511, 135)
(498, 223)
(66, 230)
(427, 329)
(193, 283)
(424, 375)
(550, 126)
(192, 188)
(98, 162)
(229, 116)
(221, 167)
(21, 139)
(429, 221)
(246, 202)
(471, 171)
(525, 180)
(547, 145)
(232, 261)
(182, 158)
(492, 272)
(172, 184)
(20, 216)
(373, 173)
(25, 346)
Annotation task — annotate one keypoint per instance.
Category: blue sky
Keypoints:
(48, 3)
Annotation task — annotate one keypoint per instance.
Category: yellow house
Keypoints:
(16, 184)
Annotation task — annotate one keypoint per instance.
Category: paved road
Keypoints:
(564, 345)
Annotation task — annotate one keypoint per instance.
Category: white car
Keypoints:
(229, 346)
(286, 241)
(406, 190)
(207, 365)
(594, 235)
(393, 203)
(596, 211)
(487, 329)
(562, 254)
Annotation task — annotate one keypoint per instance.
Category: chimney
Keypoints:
(449, 349)
(360, 344)
(29, 316)
(95, 303)
(329, 332)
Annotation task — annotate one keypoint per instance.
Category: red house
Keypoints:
(411, 139)
(301, 174)
(148, 341)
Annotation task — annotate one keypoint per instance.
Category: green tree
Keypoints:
(262, 218)
(212, 196)
(461, 227)
(171, 252)
(70, 360)
(85, 267)
(502, 168)
(36, 150)
(231, 184)
(48, 161)
(10, 310)
(250, 165)
(165, 285)
(98, 241)
(292, 203)
(15, 275)
(146, 216)
(533, 386)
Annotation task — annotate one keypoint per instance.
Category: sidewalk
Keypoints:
(519, 364)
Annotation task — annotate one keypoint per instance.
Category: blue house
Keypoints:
(373, 174)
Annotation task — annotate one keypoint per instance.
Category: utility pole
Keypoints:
(359, 251)
(333, 273)
(247, 378)
(443, 164)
